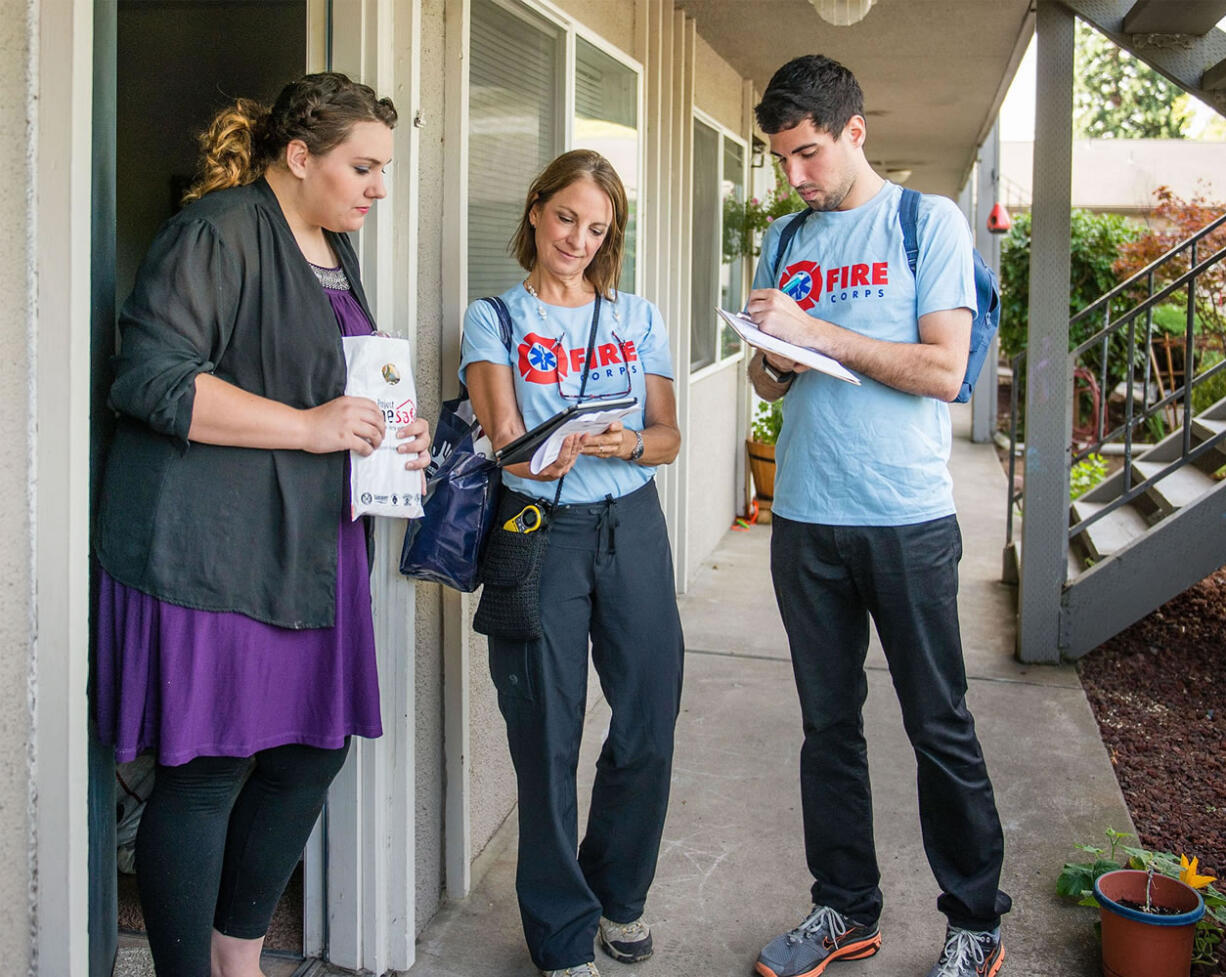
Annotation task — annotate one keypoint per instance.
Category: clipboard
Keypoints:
(524, 446)
(749, 331)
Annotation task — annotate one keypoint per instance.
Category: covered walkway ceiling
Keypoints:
(934, 72)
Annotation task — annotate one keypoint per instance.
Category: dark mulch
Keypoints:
(1158, 691)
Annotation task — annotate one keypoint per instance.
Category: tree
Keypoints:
(1172, 221)
(1115, 96)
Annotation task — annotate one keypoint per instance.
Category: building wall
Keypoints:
(16, 482)
(1121, 175)
(719, 93)
(711, 442)
(613, 20)
(712, 447)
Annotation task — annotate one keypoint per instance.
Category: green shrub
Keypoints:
(1095, 241)
(1208, 392)
(1172, 319)
(767, 421)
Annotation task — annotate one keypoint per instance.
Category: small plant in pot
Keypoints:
(1158, 914)
(767, 420)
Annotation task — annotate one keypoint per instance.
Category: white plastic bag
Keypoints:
(379, 485)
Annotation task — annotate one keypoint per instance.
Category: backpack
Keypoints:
(987, 291)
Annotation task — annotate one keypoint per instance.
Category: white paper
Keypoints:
(379, 485)
(593, 423)
(749, 331)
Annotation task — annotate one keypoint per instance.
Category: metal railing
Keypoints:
(1118, 341)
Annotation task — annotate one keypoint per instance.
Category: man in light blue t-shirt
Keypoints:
(864, 522)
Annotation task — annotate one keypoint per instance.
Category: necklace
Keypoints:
(540, 306)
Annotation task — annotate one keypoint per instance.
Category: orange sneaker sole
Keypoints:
(997, 965)
(852, 951)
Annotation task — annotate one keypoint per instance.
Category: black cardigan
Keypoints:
(226, 290)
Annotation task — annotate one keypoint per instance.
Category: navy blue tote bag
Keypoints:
(444, 545)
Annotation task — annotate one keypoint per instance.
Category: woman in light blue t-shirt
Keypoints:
(606, 573)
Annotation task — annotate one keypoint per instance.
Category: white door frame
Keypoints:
(62, 130)
(367, 841)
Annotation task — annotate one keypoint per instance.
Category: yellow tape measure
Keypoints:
(527, 520)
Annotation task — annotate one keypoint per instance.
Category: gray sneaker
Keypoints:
(970, 954)
(625, 942)
(578, 970)
(824, 936)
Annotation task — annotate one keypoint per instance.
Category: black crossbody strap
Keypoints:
(591, 354)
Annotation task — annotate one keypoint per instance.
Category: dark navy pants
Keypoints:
(608, 573)
(829, 580)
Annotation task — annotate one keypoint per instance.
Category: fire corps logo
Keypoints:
(802, 282)
(541, 360)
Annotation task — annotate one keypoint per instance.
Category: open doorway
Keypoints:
(176, 63)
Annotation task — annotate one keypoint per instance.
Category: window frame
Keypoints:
(722, 133)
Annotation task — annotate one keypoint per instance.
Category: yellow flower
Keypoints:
(1189, 876)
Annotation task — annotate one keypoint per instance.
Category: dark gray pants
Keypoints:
(608, 573)
(828, 581)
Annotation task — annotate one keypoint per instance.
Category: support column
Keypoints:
(987, 192)
(675, 477)
(744, 392)
(1048, 379)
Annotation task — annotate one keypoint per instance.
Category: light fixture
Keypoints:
(898, 176)
(842, 13)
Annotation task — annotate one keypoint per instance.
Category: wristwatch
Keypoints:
(779, 376)
(637, 451)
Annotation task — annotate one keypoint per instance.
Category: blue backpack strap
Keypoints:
(504, 318)
(908, 218)
(504, 327)
(785, 242)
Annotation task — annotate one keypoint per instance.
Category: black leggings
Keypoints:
(216, 847)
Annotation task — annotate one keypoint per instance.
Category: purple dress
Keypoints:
(191, 683)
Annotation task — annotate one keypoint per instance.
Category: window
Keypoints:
(704, 236)
(606, 120)
(717, 274)
(519, 80)
(514, 108)
(732, 262)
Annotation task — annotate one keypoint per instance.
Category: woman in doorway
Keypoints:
(234, 632)
(606, 574)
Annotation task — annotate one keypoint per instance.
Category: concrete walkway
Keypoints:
(732, 870)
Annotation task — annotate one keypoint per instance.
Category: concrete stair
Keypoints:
(1139, 554)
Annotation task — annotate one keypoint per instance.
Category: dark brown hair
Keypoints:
(606, 266)
(811, 87)
(245, 138)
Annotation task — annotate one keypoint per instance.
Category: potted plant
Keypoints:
(745, 222)
(767, 420)
(1148, 923)
(1158, 914)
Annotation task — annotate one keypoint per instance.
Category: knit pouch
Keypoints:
(510, 606)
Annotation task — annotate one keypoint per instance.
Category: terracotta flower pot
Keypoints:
(1140, 944)
(762, 467)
